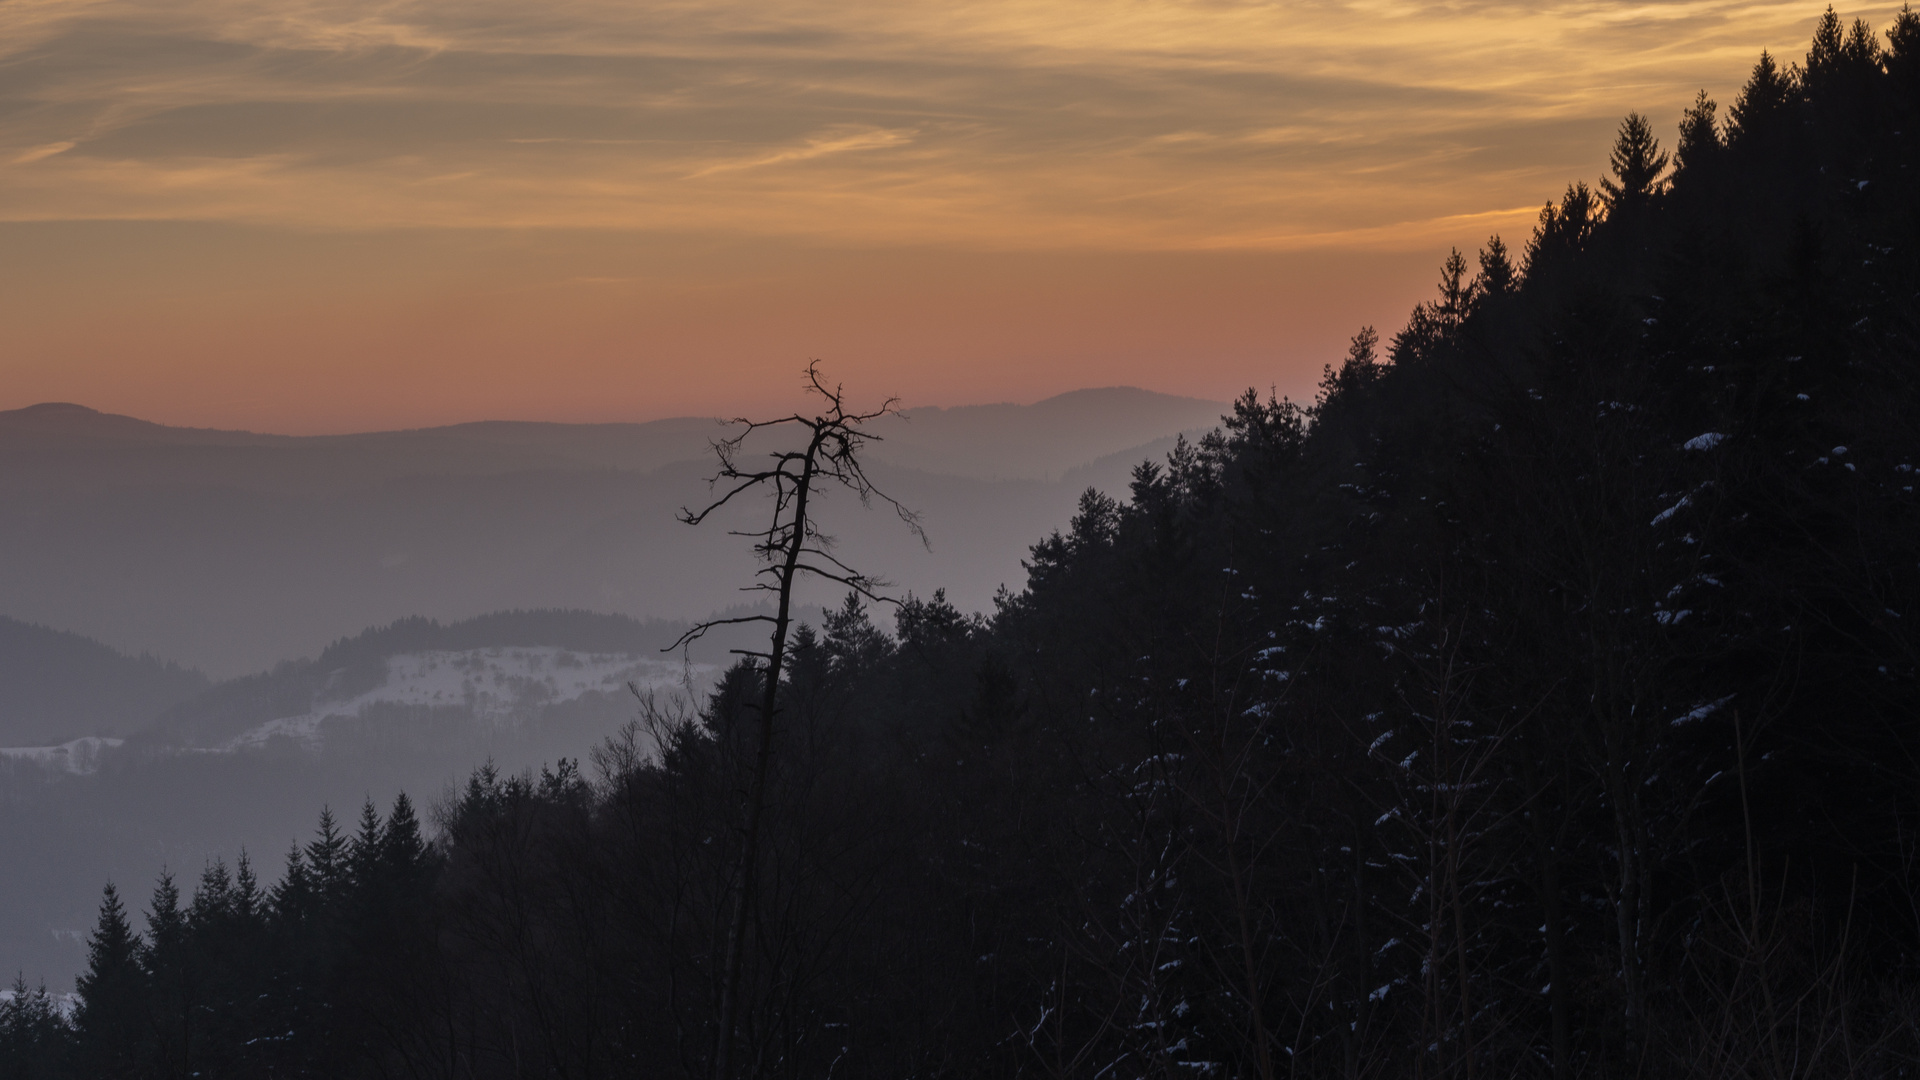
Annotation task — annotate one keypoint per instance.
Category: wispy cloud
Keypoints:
(818, 147)
(39, 152)
(1150, 124)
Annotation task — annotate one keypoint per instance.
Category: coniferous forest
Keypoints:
(1539, 700)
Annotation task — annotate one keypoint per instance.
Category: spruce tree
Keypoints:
(249, 904)
(364, 850)
(327, 862)
(1758, 120)
(1637, 162)
(1902, 60)
(1434, 321)
(1496, 277)
(1562, 234)
(113, 995)
(401, 848)
(1841, 55)
(172, 977)
(212, 906)
(1455, 289)
(309, 919)
(1360, 368)
(1700, 143)
(290, 903)
(1829, 43)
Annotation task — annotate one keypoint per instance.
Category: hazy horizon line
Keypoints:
(667, 418)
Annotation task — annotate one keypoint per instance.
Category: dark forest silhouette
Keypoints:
(1540, 701)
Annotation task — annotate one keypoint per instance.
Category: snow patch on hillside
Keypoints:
(80, 757)
(501, 686)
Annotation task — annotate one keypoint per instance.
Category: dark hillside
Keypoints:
(56, 686)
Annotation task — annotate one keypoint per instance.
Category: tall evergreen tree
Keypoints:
(1496, 277)
(1700, 141)
(212, 906)
(1761, 116)
(1561, 234)
(249, 903)
(172, 968)
(1638, 163)
(113, 1009)
(1902, 58)
(401, 846)
(328, 860)
(292, 900)
(1435, 320)
(364, 863)
(1842, 59)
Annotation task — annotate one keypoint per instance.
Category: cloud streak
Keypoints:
(1141, 126)
(818, 147)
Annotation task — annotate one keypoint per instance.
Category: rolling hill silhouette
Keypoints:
(234, 550)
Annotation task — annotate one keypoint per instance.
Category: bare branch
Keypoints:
(699, 630)
(835, 439)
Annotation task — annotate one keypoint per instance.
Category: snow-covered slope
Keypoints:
(496, 686)
(80, 756)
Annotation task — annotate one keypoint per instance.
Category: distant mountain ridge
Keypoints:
(72, 447)
(232, 550)
(1042, 441)
(992, 441)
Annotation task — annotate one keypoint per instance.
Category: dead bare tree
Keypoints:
(791, 545)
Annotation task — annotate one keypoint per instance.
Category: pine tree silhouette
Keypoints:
(291, 900)
(401, 848)
(1638, 163)
(212, 905)
(364, 850)
(1496, 277)
(173, 978)
(1758, 120)
(1700, 143)
(112, 990)
(248, 901)
(327, 861)
(1902, 59)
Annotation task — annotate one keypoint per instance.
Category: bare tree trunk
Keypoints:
(757, 785)
(788, 547)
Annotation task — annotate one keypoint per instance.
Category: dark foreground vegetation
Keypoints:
(1539, 702)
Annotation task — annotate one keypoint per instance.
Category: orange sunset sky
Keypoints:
(331, 215)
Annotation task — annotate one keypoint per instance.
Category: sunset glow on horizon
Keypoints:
(333, 215)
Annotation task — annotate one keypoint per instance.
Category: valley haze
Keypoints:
(229, 551)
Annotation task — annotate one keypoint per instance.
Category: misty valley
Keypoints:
(1537, 700)
(117, 764)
